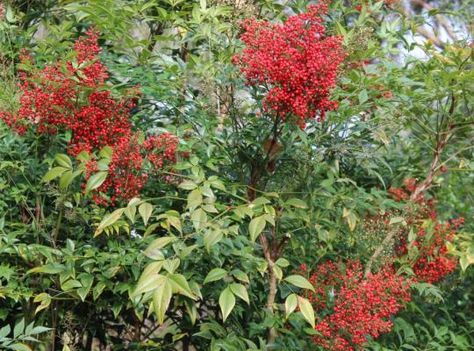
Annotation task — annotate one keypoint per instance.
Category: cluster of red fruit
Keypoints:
(355, 307)
(73, 96)
(433, 261)
(295, 61)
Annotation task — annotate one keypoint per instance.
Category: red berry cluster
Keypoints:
(355, 307)
(161, 149)
(433, 262)
(73, 96)
(127, 172)
(295, 61)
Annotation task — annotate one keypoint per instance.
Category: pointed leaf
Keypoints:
(226, 302)
(161, 298)
(53, 173)
(181, 286)
(290, 304)
(299, 281)
(145, 210)
(307, 310)
(256, 226)
(194, 199)
(214, 275)
(63, 160)
(96, 180)
(109, 220)
(241, 291)
(296, 203)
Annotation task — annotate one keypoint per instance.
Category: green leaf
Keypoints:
(83, 292)
(109, 220)
(350, 217)
(188, 185)
(39, 330)
(199, 218)
(181, 286)
(363, 97)
(290, 304)
(282, 262)
(256, 226)
(50, 268)
(299, 281)
(278, 272)
(96, 180)
(145, 210)
(150, 229)
(241, 291)
(296, 203)
(63, 160)
(212, 237)
(171, 265)
(307, 310)
(194, 199)
(147, 282)
(214, 275)
(160, 243)
(226, 302)
(161, 298)
(70, 285)
(242, 276)
(395, 220)
(20, 347)
(5, 331)
(83, 156)
(19, 328)
(53, 173)
(65, 180)
(106, 152)
(45, 300)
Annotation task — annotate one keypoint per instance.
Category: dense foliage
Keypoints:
(236, 175)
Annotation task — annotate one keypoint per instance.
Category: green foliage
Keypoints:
(186, 265)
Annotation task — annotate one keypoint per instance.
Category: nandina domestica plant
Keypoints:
(72, 96)
(225, 175)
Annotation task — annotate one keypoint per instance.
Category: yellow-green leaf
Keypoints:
(299, 281)
(145, 210)
(96, 180)
(307, 310)
(214, 275)
(241, 291)
(161, 298)
(226, 302)
(256, 226)
(290, 304)
(108, 220)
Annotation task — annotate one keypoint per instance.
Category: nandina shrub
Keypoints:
(73, 96)
(353, 308)
(296, 63)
